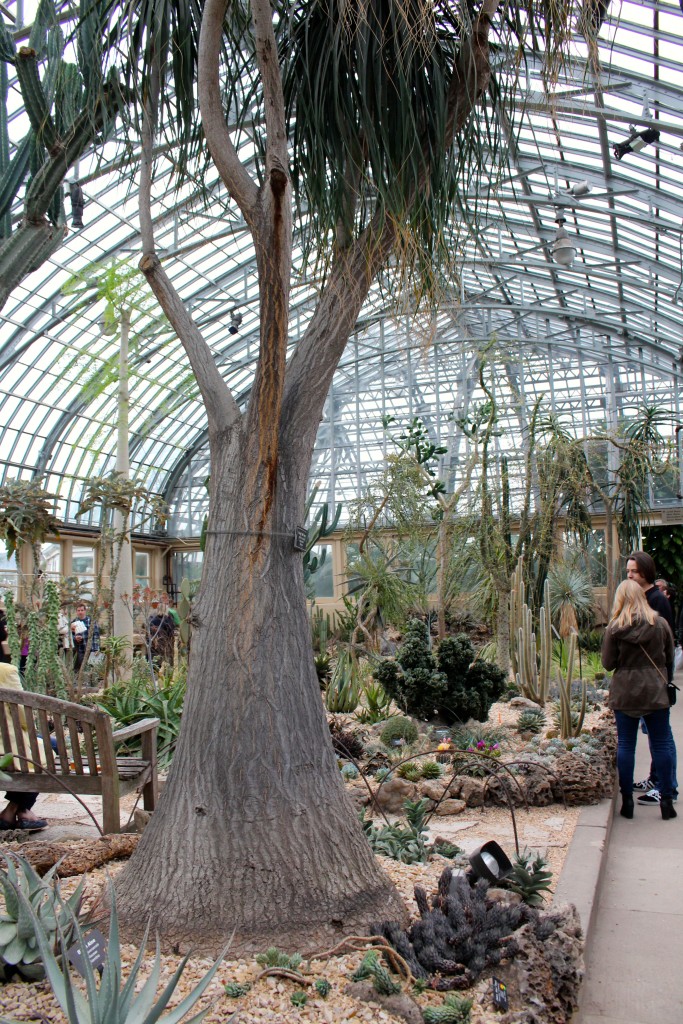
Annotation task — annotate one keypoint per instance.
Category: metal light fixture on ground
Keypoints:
(635, 142)
(490, 862)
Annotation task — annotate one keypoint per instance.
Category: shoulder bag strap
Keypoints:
(657, 668)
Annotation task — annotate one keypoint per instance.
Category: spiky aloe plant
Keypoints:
(111, 1003)
(531, 720)
(530, 877)
(28, 896)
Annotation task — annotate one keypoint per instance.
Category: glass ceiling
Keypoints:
(597, 339)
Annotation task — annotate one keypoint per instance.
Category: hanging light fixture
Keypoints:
(563, 248)
(235, 322)
(635, 142)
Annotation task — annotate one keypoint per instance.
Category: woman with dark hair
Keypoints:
(638, 647)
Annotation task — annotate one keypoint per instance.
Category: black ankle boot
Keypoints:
(626, 806)
(666, 806)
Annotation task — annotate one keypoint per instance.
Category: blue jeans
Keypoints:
(659, 735)
(674, 759)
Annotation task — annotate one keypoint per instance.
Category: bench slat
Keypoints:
(36, 752)
(75, 745)
(90, 748)
(61, 746)
(19, 746)
(47, 745)
(4, 728)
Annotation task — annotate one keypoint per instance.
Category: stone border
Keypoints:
(581, 876)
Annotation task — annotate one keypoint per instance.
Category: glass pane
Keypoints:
(322, 580)
(83, 561)
(50, 558)
(187, 565)
(9, 577)
(142, 568)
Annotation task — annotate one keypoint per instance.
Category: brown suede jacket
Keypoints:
(638, 686)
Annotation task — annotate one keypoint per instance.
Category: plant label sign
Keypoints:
(500, 994)
(92, 949)
(300, 537)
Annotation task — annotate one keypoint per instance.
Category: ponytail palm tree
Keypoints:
(369, 123)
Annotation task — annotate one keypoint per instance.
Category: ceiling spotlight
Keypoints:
(580, 188)
(235, 322)
(635, 142)
(77, 203)
(563, 247)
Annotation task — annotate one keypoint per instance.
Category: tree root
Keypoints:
(361, 942)
(80, 856)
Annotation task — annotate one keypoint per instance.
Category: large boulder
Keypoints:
(392, 795)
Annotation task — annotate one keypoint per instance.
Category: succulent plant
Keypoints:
(531, 720)
(299, 998)
(409, 771)
(19, 948)
(399, 728)
(110, 1003)
(323, 987)
(370, 967)
(382, 774)
(235, 991)
(349, 771)
(273, 957)
(455, 1010)
(530, 877)
(431, 770)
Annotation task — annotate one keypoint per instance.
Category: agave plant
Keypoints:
(29, 897)
(110, 1003)
(571, 596)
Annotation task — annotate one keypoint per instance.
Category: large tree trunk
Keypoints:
(254, 831)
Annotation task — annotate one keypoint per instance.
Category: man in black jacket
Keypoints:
(641, 567)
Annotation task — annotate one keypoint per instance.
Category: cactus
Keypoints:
(370, 967)
(299, 998)
(571, 725)
(235, 991)
(531, 720)
(68, 110)
(318, 529)
(19, 948)
(323, 987)
(530, 663)
(431, 770)
(455, 1010)
(185, 610)
(399, 728)
(409, 771)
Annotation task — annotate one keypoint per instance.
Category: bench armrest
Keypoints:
(144, 725)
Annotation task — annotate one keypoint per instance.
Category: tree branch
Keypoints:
(232, 171)
(471, 74)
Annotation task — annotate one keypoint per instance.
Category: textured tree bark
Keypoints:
(254, 832)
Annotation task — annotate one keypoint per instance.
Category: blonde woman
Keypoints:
(638, 646)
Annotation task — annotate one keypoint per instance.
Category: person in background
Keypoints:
(669, 592)
(640, 567)
(5, 657)
(17, 814)
(80, 630)
(637, 647)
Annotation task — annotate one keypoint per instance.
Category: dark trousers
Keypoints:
(24, 801)
(659, 732)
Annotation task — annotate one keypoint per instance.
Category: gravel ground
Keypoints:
(548, 829)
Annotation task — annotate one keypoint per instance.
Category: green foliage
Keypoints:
(344, 688)
(323, 987)
(431, 770)
(530, 877)
(110, 1003)
(404, 843)
(665, 544)
(571, 596)
(349, 771)
(455, 1010)
(409, 771)
(235, 991)
(370, 967)
(444, 848)
(116, 493)
(20, 952)
(299, 998)
(452, 685)
(129, 702)
(273, 957)
(26, 514)
(399, 728)
(376, 703)
(531, 720)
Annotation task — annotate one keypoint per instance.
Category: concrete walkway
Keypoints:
(635, 943)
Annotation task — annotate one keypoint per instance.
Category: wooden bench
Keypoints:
(85, 760)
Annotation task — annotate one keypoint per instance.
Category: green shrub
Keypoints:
(399, 728)
(452, 685)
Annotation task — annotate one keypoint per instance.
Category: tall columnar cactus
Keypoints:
(69, 106)
(531, 660)
(569, 728)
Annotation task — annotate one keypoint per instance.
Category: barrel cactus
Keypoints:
(19, 950)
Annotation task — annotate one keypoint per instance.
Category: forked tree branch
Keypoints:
(222, 410)
(232, 171)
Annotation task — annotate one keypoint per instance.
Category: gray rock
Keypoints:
(431, 788)
(392, 795)
(450, 807)
(472, 792)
